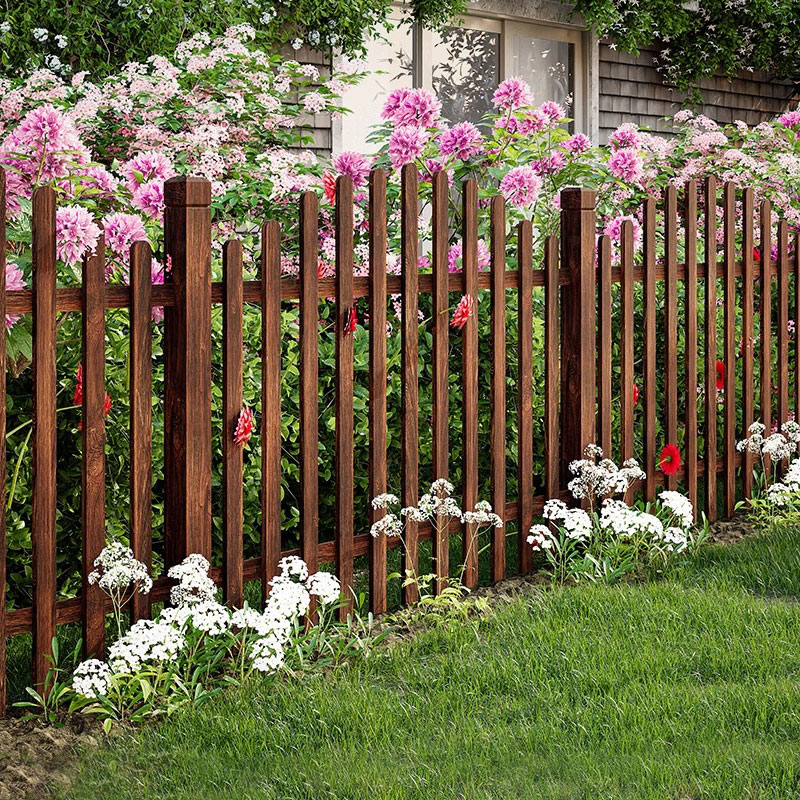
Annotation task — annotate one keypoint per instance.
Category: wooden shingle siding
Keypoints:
(632, 91)
(317, 126)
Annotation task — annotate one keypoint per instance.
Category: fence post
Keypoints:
(187, 356)
(578, 329)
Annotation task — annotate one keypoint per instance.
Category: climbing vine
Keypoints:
(699, 39)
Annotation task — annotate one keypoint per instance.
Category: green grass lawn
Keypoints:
(682, 688)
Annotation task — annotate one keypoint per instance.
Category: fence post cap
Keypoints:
(578, 199)
(187, 190)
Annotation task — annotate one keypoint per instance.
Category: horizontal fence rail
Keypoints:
(616, 322)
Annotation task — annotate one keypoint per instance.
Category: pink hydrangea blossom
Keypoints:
(393, 101)
(419, 107)
(626, 165)
(613, 229)
(535, 122)
(791, 119)
(149, 199)
(577, 144)
(521, 186)
(122, 230)
(76, 233)
(551, 164)
(456, 250)
(462, 141)
(146, 167)
(553, 110)
(15, 281)
(405, 144)
(355, 165)
(512, 94)
(624, 137)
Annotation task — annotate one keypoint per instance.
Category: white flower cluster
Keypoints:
(680, 507)
(597, 477)
(118, 570)
(194, 584)
(674, 539)
(482, 515)
(197, 614)
(540, 538)
(785, 491)
(92, 678)
(575, 522)
(776, 446)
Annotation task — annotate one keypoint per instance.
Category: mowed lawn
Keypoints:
(683, 688)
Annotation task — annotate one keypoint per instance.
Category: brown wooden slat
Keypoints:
(309, 381)
(93, 472)
(232, 453)
(141, 417)
(469, 377)
(783, 322)
(441, 354)
(746, 349)
(690, 352)
(187, 370)
(671, 320)
(650, 388)
(626, 350)
(344, 389)
(766, 314)
(797, 326)
(270, 403)
(2, 445)
(409, 438)
(729, 347)
(711, 346)
(377, 381)
(551, 369)
(604, 409)
(498, 385)
(43, 522)
(525, 393)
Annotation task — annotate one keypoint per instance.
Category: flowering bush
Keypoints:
(608, 538)
(196, 646)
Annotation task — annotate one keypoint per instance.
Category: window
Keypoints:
(464, 65)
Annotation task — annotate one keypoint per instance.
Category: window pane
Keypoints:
(466, 71)
(547, 66)
(393, 57)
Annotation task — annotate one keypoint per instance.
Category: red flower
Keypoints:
(756, 254)
(720, 375)
(463, 312)
(107, 406)
(329, 187)
(244, 426)
(635, 394)
(670, 461)
(350, 325)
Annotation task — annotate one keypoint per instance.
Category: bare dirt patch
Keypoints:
(36, 759)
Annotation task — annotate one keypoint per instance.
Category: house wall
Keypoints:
(630, 90)
(317, 126)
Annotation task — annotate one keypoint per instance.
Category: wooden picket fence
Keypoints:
(580, 284)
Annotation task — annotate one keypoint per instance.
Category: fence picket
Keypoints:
(409, 449)
(525, 393)
(765, 322)
(671, 321)
(270, 403)
(232, 456)
(729, 345)
(498, 384)
(309, 381)
(552, 473)
(605, 414)
(469, 376)
(711, 349)
(690, 345)
(650, 395)
(93, 478)
(345, 332)
(783, 322)
(628, 391)
(377, 381)
(746, 350)
(441, 358)
(43, 521)
(141, 417)
(797, 326)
